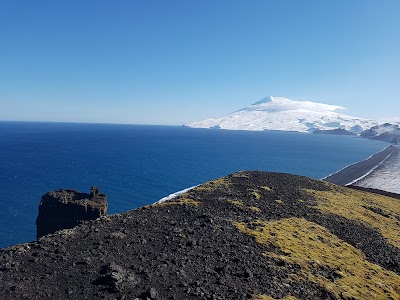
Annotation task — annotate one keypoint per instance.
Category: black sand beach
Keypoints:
(353, 172)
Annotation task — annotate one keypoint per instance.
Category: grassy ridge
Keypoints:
(324, 259)
(249, 235)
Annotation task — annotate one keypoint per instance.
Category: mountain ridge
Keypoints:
(389, 132)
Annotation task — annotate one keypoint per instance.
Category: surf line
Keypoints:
(176, 194)
(337, 172)
(370, 171)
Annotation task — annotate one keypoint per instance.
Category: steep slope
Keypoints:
(64, 209)
(278, 113)
(250, 235)
(389, 132)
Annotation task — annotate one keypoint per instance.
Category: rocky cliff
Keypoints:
(250, 235)
(338, 131)
(65, 209)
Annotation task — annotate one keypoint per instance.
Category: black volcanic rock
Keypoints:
(337, 131)
(250, 235)
(65, 209)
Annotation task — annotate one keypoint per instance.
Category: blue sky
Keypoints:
(170, 62)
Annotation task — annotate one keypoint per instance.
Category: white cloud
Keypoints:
(283, 104)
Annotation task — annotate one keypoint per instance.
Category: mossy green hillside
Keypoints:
(379, 212)
(324, 259)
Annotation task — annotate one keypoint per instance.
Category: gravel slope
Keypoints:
(243, 236)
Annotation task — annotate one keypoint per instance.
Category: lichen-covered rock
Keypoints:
(65, 209)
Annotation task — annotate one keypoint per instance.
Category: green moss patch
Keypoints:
(326, 260)
(241, 174)
(180, 201)
(241, 205)
(256, 195)
(220, 183)
(266, 188)
(379, 212)
(237, 203)
(255, 208)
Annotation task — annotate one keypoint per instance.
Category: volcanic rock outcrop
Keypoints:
(65, 209)
(338, 131)
(250, 235)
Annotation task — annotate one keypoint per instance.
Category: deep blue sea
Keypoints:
(136, 165)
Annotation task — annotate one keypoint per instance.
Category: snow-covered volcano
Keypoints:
(278, 113)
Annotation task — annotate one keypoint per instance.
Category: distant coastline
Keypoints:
(367, 173)
(351, 175)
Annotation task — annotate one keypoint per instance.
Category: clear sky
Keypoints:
(170, 62)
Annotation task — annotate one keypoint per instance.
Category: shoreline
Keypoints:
(348, 176)
(176, 194)
(353, 173)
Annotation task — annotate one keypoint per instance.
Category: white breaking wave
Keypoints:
(370, 171)
(176, 194)
(386, 177)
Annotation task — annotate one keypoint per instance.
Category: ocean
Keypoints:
(135, 165)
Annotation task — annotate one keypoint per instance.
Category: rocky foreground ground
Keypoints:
(250, 235)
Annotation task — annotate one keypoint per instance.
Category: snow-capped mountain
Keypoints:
(389, 132)
(278, 113)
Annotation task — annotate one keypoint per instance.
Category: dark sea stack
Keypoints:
(64, 209)
(249, 235)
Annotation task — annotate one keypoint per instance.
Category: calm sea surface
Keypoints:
(136, 165)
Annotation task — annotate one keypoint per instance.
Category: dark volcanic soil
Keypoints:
(186, 249)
